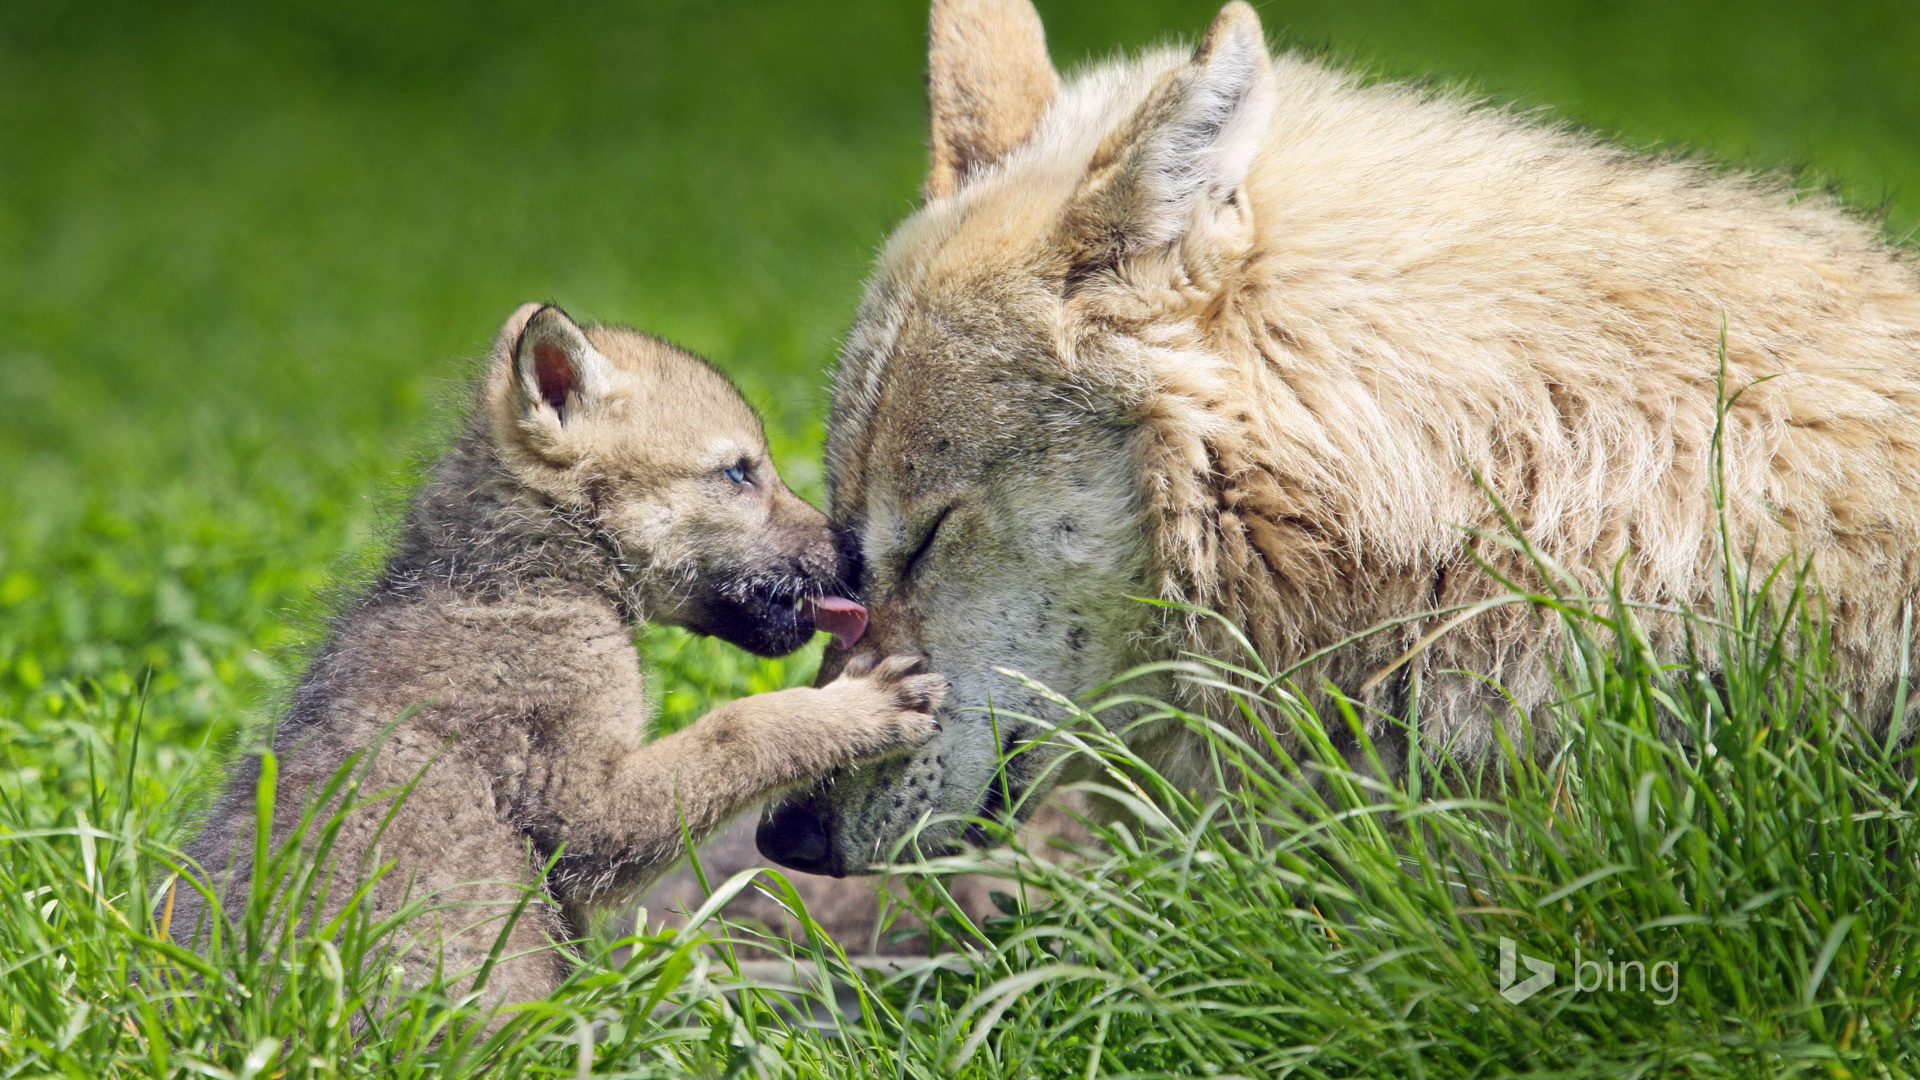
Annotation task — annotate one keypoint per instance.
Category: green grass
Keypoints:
(244, 249)
(1719, 870)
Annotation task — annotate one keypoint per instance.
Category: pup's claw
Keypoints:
(910, 696)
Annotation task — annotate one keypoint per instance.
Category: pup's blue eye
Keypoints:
(736, 472)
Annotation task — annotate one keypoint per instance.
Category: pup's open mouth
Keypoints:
(845, 619)
(775, 617)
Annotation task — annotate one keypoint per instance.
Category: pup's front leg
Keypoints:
(748, 749)
(619, 838)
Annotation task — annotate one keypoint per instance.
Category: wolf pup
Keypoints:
(606, 478)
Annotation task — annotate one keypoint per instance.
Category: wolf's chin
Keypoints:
(991, 807)
(957, 835)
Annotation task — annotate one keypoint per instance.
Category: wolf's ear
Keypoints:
(988, 83)
(1185, 153)
(554, 366)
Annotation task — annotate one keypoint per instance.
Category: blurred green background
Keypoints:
(248, 252)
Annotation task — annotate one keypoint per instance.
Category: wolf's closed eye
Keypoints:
(926, 542)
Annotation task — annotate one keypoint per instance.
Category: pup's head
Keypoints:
(664, 464)
(995, 402)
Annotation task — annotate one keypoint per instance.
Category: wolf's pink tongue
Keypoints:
(839, 616)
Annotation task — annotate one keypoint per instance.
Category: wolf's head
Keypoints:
(658, 459)
(992, 410)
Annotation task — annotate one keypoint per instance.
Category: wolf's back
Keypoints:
(1437, 283)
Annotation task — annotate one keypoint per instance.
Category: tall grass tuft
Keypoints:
(97, 978)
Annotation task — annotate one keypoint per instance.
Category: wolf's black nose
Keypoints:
(795, 836)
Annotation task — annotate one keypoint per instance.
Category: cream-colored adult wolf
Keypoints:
(606, 478)
(1235, 329)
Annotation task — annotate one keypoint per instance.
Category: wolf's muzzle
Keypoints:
(794, 834)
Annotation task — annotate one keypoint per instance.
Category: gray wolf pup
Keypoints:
(605, 478)
(1237, 329)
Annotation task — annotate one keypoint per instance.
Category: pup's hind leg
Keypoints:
(471, 928)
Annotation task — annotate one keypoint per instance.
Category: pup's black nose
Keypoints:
(795, 836)
(848, 562)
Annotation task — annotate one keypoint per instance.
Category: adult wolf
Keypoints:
(1238, 329)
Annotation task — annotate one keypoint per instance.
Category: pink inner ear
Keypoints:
(555, 372)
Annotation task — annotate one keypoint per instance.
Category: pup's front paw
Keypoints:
(891, 703)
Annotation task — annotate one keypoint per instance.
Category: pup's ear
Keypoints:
(1184, 154)
(554, 366)
(988, 83)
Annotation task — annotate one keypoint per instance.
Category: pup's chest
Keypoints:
(540, 690)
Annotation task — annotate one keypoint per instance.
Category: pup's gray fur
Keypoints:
(590, 491)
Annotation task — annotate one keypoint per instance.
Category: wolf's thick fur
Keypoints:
(590, 491)
(1223, 328)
